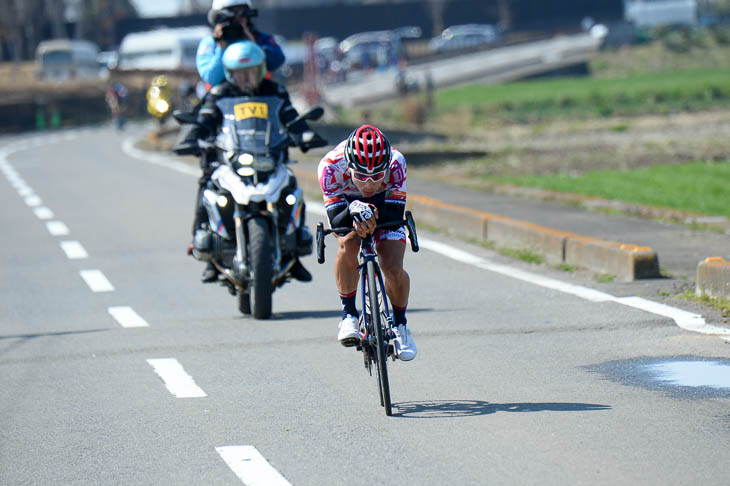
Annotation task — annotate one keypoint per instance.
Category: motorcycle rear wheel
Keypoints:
(261, 267)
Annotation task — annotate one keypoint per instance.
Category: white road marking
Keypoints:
(96, 281)
(126, 317)
(57, 228)
(129, 149)
(251, 467)
(33, 201)
(74, 250)
(24, 191)
(43, 213)
(686, 320)
(177, 381)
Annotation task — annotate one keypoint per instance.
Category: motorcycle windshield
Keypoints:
(249, 122)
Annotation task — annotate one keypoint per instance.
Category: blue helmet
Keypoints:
(241, 55)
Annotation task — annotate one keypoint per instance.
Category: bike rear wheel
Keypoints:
(382, 350)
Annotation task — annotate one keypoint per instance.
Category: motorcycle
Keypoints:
(255, 230)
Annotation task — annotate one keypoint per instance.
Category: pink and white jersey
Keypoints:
(338, 188)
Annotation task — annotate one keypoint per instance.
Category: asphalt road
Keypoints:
(516, 382)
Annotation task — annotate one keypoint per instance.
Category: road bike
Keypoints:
(376, 321)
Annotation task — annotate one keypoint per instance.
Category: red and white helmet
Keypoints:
(367, 150)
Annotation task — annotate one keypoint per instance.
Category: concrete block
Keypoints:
(713, 278)
(521, 235)
(465, 222)
(625, 261)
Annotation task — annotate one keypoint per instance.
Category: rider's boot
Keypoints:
(300, 273)
(210, 274)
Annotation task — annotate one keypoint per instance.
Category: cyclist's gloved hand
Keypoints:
(361, 211)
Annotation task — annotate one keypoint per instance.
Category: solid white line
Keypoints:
(96, 281)
(126, 317)
(160, 160)
(74, 250)
(251, 467)
(685, 320)
(177, 381)
(57, 228)
(43, 213)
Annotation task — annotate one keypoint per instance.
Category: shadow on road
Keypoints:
(326, 314)
(26, 338)
(470, 408)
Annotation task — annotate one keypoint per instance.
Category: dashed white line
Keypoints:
(178, 382)
(126, 317)
(96, 281)
(43, 213)
(74, 250)
(251, 467)
(33, 201)
(57, 228)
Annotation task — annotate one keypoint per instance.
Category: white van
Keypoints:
(65, 60)
(656, 13)
(162, 49)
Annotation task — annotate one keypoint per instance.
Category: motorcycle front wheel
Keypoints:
(261, 267)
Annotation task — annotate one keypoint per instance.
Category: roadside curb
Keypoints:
(626, 262)
(713, 278)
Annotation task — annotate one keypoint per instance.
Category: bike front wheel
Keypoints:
(382, 346)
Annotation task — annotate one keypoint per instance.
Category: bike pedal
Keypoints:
(348, 343)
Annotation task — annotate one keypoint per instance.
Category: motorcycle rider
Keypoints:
(245, 71)
(231, 21)
(363, 181)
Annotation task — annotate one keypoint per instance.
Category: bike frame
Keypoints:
(375, 342)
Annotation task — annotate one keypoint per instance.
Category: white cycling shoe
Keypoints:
(349, 331)
(403, 344)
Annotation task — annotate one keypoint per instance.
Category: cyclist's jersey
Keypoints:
(339, 191)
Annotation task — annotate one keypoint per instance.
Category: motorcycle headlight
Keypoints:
(248, 162)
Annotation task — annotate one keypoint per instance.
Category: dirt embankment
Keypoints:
(27, 103)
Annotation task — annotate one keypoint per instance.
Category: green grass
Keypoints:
(698, 187)
(723, 305)
(589, 97)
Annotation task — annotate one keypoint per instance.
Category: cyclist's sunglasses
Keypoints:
(362, 177)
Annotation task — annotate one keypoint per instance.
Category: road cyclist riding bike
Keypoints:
(363, 181)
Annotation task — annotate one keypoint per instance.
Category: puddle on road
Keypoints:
(687, 376)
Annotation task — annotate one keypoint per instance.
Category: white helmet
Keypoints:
(221, 4)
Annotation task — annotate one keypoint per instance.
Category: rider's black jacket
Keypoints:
(211, 118)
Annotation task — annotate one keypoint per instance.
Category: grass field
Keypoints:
(697, 187)
(540, 100)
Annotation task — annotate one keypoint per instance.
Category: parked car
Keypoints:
(466, 36)
(64, 60)
(370, 49)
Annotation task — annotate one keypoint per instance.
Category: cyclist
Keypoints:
(363, 181)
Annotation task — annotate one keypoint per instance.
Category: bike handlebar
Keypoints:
(408, 222)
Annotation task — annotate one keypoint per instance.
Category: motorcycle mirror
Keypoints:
(184, 117)
(313, 114)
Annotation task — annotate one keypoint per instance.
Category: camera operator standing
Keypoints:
(231, 21)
